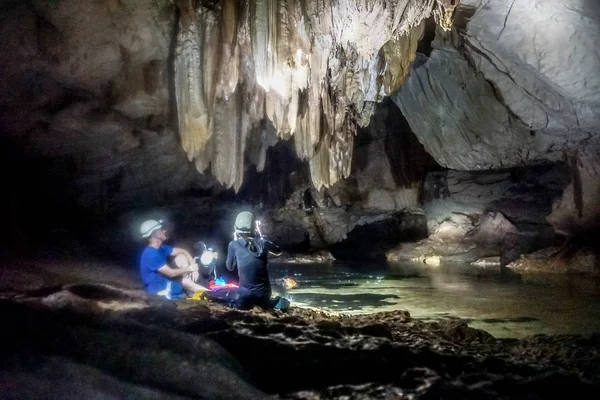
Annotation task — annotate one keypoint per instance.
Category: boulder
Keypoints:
(454, 228)
(493, 229)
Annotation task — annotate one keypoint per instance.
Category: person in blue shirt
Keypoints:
(249, 252)
(158, 277)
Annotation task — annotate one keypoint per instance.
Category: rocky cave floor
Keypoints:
(86, 329)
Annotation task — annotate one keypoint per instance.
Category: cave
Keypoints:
(429, 169)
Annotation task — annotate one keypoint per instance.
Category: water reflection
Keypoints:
(506, 305)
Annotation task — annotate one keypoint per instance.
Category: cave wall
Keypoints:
(514, 83)
(315, 69)
(507, 74)
(89, 81)
(85, 115)
(92, 96)
(106, 83)
(377, 206)
(388, 165)
(101, 103)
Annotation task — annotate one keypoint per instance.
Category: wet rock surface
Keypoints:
(317, 257)
(474, 215)
(116, 340)
(559, 259)
(348, 233)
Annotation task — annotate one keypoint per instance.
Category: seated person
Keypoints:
(207, 261)
(249, 253)
(158, 277)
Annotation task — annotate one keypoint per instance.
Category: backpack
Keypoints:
(228, 296)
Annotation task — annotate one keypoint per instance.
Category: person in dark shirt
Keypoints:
(249, 252)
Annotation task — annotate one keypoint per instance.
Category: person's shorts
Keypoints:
(173, 290)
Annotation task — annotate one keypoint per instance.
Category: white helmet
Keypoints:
(150, 226)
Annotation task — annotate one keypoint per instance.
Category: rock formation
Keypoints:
(513, 84)
(313, 68)
(112, 105)
(103, 337)
(505, 74)
(478, 214)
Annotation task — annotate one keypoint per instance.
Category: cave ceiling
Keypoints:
(315, 69)
(136, 101)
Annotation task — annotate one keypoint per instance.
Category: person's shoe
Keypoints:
(198, 295)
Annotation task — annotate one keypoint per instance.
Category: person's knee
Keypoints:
(181, 261)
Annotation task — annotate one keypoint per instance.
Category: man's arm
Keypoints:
(175, 272)
(273, 248)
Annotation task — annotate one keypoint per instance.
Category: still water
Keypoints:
(506, 305)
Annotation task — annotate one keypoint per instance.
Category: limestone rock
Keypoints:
(349, 234)
(314, 69)
(142, 90)
(579, 207)
(454, 228)
(434, 253)
(487, 262)
(189, 349)
(389, 200)
(292, 233)
(114, 164)
(504, 90)
(557, 260)
(141, 356)
(85, 98)
(388, 164)
(461, 131)
(525, 195)
(318, 257)
(545, 79)
(493, 229)
(92, 40)
(471, 215)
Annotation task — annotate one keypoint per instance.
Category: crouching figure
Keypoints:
(248, 253)
(158, 277)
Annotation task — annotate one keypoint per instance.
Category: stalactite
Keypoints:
(210, 56)
(229, 19)
(273, 67)
(399, 54)
(191, 105)
(319, 164)
(230, 142)
(293, 106)
(304, 146)
(314, 68)
(284, 43)
(229, 64)
(259, 25)
(443, 12)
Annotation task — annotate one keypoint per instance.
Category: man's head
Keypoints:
(152, 229)
(244, 223)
